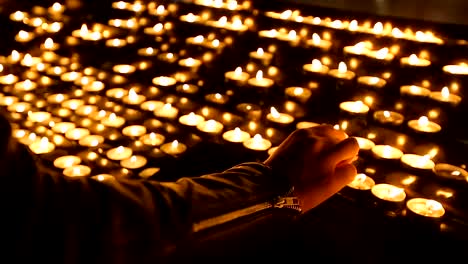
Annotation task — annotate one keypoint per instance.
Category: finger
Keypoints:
(329, 131)
(344, 175)
(345, 150)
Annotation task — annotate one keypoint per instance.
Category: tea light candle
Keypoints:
(8, 79)
(354, 107)
(388, 192)
(388, 117)
(423, 124)
(124, 68)
(91, 140)
(445, 96)
(306, 124)
(77, 171)
(103, 177)
(151, 105)
(237, 75)
(414, 60)
(257, 143)
(164, 81)
(456, 69)
(134, 162)
(155, 30)
(317, 41)
(217, 98)
(261, 55)
(387, 152)
(190, 18)
(73, 104)
(191, 119)
(63, 127)
(77, 133)
(260, 81)
(449, 171)
(152, 139)
(365, 143)
(42, 146)
(414, 90)
(174, 148)
(342, 72)
(149, 51)
(190, 63)
(19, 107)
(49, 44)
(316, 67)
(236, 135)
(26, 85)
(134, 131)
(362, 182)
(210, 126)
(298, 93)
(66, 161)
(119, 153)
(279, 118)
(167, 111)
(113, 120)
(418, 161)
(187, 88)
(381, 54)
(24, 36)
(116, 93)
(372, 81)
(426, 207)
(168, 57)
(133, 98)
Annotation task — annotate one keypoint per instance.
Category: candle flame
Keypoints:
(259, 75)
(413, 59)
(292, 34)
(238, 71)
(158, 27)
(381, 54)
(445, 92)
(316, 39)
(423, 121)
(260, 51)
(342, 68)
(433, 205)
(174, 144)
(386, 114)
(49, 43)
(274, 112)
(360, 177)
(378, 28)
(353, 25)
(409, 180)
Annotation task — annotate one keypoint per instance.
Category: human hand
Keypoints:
(317, 161)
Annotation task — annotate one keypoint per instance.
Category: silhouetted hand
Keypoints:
(318, 162)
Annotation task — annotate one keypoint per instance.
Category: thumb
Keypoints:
(344, 174)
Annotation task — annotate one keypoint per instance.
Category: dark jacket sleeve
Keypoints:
(80, 220)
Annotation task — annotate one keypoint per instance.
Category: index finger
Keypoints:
(345, 150)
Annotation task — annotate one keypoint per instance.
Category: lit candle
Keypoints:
(164, 81)
(316, 67)
(362, 182)
(113, 120)
(191, 119)
(418, 161)
(91, 140)
(210, 126)
(381, 54)
(73, 104)
(103, 177)
(365, 143)
(77, 171)
(119, 153)
(414, 60)
(445, 96)
(236, 135)
(133, 98)
(19, 107)
(8, 79)
(449, 171)
(456, 69)
(124, 68)
(358, 49)
(388, 117)
(306, 124)
(237, 75)
(217, 98)
(426, 207)
(414, 90)
(354, 107)
(372, 81)
(49, 45)
(279, 118)
(174, 148)
(298, 93)
(155, 30)
(423, 124)
(388, 192)
(24, 36)
(190, 63)
(190, 18)
(342, 72)
(317, 41)
(151, 105)
(77, 133)
(134, 131)
(66, 161)
(260, 81)
(134, 162)
(149, 51)
(257, 143)
(39, 117)
(261, 55)
(167, 111)
(63, 127)
(42, 146)
(387, 152)
(152, 139)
